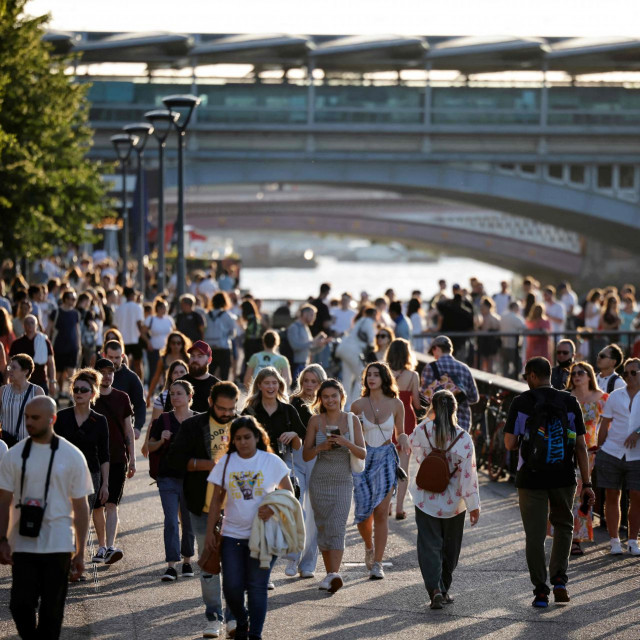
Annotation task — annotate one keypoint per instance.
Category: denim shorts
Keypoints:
(612, 472)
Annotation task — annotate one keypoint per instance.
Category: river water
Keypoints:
(373, 277)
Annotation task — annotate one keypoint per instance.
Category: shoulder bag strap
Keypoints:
(54, 448)
(224, 475)
(28, 392)
(375, 417)
(25, 454)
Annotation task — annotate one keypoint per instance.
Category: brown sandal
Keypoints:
(402, 515)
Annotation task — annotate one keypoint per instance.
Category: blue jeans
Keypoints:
(241, 573)
(211, 588)
(308, 559)
(173, 500)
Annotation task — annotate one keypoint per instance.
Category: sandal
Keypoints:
(576, 549)
(401, 515)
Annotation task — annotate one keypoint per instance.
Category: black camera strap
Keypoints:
(25, 454)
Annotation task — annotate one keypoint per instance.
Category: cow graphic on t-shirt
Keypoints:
(246, 481)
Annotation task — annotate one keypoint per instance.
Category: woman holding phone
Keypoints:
(331, 485)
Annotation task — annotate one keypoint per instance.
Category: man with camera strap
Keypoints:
(47, 480)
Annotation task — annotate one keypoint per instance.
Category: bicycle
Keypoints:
(497, 455)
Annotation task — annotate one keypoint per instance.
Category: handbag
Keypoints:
(156, 456)
(295, 483)
(209, 560)
(401, 474)
(357, 464)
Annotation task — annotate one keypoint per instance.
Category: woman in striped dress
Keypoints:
(14, 396)
(331, 484)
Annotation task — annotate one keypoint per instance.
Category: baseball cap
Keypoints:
(201, 346)
(103, 363)
(442, 342)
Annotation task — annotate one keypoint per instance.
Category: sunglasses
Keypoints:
(380, 336)
(578, 373)
(81, 389)
(626, 374)
(563, 353)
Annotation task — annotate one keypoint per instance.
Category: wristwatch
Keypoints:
(587, 485)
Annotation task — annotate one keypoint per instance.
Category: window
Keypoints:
(576, 173)
(605, 176)
(507, 167)
(555, 171)
(627, 176)
(528, 168)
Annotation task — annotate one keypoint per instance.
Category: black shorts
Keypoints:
(66, 360)
(134, 350)
(117, 478)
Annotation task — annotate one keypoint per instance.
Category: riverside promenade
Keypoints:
(491, 588)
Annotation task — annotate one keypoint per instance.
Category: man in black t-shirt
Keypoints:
(546, 489)
(188, 320)
(199, 360)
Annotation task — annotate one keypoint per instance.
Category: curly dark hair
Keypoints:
(389, 386)
(249, 422)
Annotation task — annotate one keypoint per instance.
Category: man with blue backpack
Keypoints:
(546, 426)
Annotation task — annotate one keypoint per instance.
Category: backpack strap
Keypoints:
(435, 369)
(611, 383)
(454, 441)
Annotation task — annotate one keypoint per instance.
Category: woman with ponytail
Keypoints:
(440, 516)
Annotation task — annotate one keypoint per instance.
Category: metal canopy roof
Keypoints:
(249, 49)
(135, 47)
(495, 53)
(596, 55)
(467, 54)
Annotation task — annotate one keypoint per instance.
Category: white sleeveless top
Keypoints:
(374, 436)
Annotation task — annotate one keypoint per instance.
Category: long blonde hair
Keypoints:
(445, 406)
(255, 395)
(316, 370)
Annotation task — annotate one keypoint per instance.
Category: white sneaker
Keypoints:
(231, 628)
(376, 573)
(307, 574)
(213, 629)
(291, 569)
(633, 549)
(270, 586)
(368, 558)
(335, 583)
(616, 548)
(324, 585)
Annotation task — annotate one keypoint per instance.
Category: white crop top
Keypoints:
(374, 436)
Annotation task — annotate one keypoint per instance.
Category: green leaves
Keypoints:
(49, 190)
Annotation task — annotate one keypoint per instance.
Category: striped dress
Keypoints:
(11, 403)
(330, 492)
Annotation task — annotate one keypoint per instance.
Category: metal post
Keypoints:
(181, 267)
(544, 96)
(427, 97)
(141, 224)
(125, 225)
(161, 238)
(311, 93)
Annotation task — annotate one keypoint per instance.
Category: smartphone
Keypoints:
(333, 431)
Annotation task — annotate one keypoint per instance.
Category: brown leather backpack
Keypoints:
(434, 474)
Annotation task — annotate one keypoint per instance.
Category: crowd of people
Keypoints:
(304, 413)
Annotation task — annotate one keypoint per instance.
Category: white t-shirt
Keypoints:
(70, 479)
(556, 310)
(128, 314)
(603, 382)
(342, 319)
(623, 424)
(247, 481)
(3, 449)
(570, 301)
(159, 328)
(502, 301)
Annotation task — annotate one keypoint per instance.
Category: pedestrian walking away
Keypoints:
(116, 407)
(54, 509)
(440, 516)
(373, 488)
(334, 437)
(247, 474)
(547, 428)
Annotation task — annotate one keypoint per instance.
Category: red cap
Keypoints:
(201, 346)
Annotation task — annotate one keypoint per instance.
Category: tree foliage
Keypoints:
(49, 189)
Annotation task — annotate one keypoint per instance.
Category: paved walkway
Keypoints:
(491, 587)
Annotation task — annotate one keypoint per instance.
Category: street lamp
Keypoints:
(163, 120)
(142, 131)
(184, 104)
(123, 144)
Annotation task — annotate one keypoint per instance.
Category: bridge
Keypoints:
(532, 127)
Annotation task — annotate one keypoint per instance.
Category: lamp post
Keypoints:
(163, 120)
(184, 104)
(142, 131)
(123, 144)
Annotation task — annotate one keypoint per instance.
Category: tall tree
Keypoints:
(49, 189)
